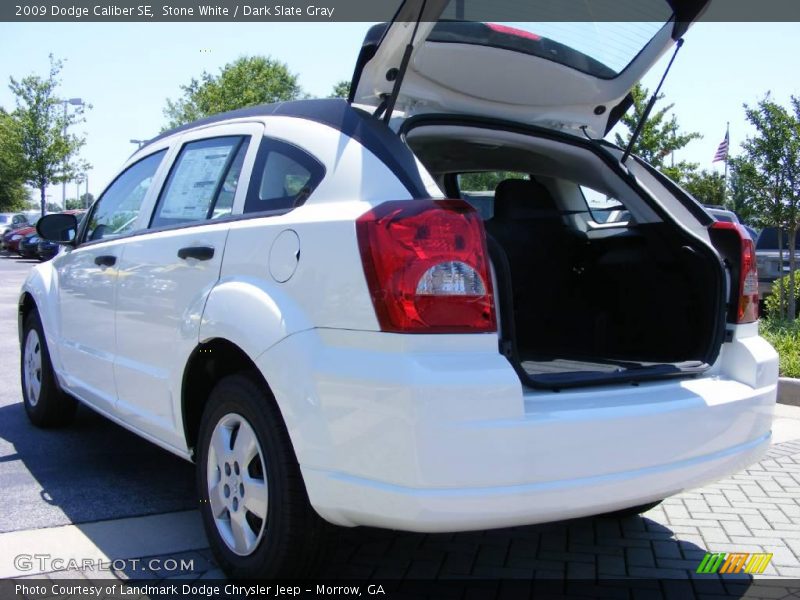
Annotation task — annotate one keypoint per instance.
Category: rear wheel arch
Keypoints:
(207, 365)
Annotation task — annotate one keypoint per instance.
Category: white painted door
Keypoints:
(87, 282)
(167, 273)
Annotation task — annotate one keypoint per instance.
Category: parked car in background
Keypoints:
(16, 236)
(285, 295)
(29, 246)
(768, 258)
(5, 221)
(728, 216)
(13, 222)
(46, 249)
(5, 239)
(722, 214)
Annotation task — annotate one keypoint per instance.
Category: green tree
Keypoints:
(486, 181)
(708, 187)
(85, 201)
(14, 195)
(341, 89)
(772, 171)
(47, 153)
(247, 81)
(660, 136)
(744, 186)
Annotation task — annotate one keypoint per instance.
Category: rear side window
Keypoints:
(202, 182)
(117, 210)
(478, 188)
(284, 177)
(604, 208)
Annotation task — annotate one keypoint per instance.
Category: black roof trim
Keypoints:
(337, 113)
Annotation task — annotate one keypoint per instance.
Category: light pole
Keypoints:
(74, 102)
(78, 182)
(139, 143)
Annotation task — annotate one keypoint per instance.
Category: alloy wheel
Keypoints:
(32, 361)
(237, 484)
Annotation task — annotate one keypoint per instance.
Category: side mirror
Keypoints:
(59, 228)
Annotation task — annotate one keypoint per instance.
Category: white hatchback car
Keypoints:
(283, 295)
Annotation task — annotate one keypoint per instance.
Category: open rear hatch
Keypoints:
(625, 304)
(541, 63)
(600, 274)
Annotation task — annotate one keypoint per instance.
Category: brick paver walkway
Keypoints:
(756, 510)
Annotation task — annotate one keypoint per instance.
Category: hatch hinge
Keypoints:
(646, 114)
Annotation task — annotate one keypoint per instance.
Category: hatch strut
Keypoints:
(650, 105)
(388, 104)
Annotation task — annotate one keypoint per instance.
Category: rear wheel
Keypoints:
(252, 499)
(45, 403)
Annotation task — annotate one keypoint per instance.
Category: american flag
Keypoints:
(722, 151)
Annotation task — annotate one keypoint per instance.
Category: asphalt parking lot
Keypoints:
(95, 489)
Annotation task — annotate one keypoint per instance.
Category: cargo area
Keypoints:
(593, 281)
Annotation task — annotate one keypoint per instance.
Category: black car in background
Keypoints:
(28, 246)
(768, 258)
(46, 250)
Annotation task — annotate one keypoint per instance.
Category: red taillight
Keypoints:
(426, 267)
(748, 274)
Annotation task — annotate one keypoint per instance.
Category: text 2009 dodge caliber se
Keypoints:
(283, 295)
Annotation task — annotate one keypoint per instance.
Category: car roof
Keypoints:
(337, 113)
(321, 109)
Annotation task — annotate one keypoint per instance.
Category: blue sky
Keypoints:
(128, 70)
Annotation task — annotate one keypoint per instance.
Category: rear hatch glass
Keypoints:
(602, 49)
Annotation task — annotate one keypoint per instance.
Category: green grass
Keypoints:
(785, 337)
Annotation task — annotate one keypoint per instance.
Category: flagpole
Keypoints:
(727, 153)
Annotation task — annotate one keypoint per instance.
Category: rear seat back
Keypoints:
(529, 227)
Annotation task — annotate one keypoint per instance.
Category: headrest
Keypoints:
(523, 198)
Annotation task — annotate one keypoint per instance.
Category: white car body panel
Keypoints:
(417, 432)
(435, 433)
(161, 297)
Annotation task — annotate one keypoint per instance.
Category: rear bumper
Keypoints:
(436, 433)
(349, 500)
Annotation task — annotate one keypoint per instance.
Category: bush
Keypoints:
(772, 303)
(785, 337)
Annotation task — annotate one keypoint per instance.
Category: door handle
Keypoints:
(105, 260)
(196, 252)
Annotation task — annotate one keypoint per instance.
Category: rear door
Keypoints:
(166, 274)
(527, 66)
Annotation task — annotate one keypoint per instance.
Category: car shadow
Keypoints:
(592, 557)
(92, 470)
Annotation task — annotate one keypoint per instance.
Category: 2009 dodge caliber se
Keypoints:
(307, 301)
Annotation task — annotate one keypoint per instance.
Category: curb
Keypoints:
(789, 391)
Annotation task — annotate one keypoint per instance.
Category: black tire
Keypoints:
(293, 534)
(633, 511)
(52, 407)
